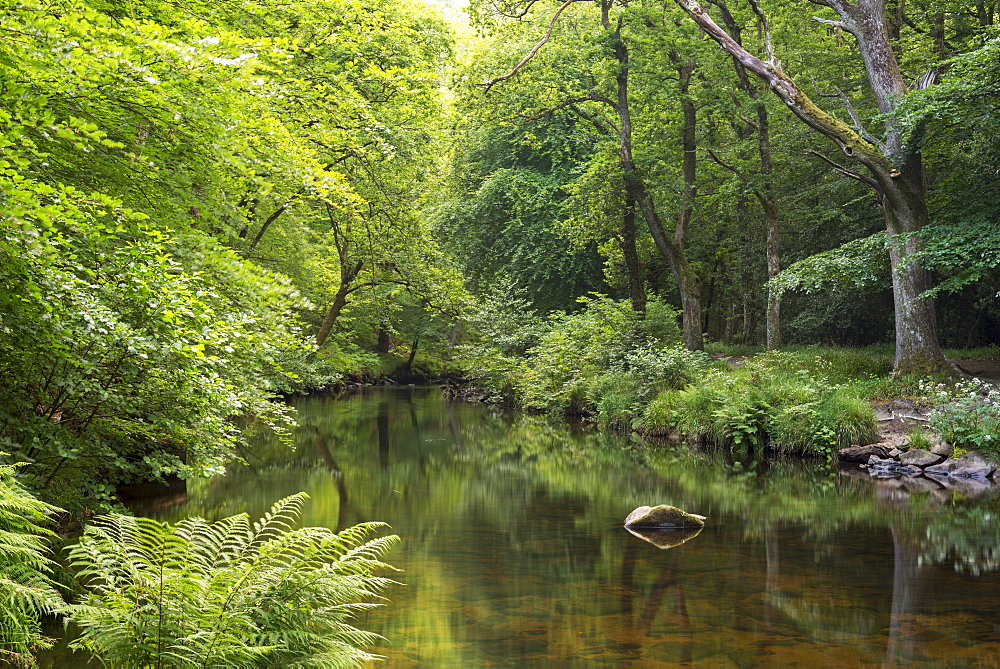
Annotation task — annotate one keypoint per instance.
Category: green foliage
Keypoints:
(505, 320)
(788, 401)
(967, 414)
(503, 223)
(578, 347)
(917, 438)
(229, 593)
(26, 591)
(128, 349)
(861, 262)
(179, 185)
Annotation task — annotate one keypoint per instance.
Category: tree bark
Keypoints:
(772, 226)
(636, 287)
(897, 177)
(688, 282)
(348, 273)
(339, 302)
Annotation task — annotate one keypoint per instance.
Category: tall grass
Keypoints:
(793, 401)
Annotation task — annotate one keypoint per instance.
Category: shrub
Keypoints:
(227, 593)
(618, 398)
(779, 399)
(967, 414)
(579, 347)
(660, 416)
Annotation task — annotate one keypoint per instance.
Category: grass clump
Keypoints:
(917, 438)
(783, 400)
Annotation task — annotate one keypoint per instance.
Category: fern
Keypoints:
(25, 589)
(230, 593)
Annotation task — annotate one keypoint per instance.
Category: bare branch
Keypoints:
(828, 22)
(858, 126)
(926, 80)
(531, 54)
(868, 181)
(600, 123)
(518, 15)
(732, 168)
(768, 44)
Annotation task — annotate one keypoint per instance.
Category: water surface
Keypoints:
(513, 553)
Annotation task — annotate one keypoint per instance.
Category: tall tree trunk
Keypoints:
(765, 194)
(413, 353)
(383, 341)
(636, 287)
(672, 247)
(339, 302)
(772, 225)
(896, 176)
(687, 279)
(348, 273)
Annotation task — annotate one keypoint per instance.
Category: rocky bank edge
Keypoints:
(891, 456)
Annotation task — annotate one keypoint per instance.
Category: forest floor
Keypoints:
(988, 370)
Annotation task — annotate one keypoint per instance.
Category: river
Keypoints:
(513, 552)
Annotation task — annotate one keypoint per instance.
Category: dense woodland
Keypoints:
(205, 205)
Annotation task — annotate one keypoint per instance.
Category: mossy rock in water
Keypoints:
(664, 538)
(663, 517)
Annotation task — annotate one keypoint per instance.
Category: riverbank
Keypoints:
(809, 401)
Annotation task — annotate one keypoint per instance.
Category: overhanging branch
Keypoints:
(531, 54)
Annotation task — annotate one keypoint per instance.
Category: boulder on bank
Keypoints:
(860, 453)
(663, 517)
(971, 465)
(918, 457)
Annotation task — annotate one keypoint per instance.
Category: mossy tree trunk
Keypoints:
(636, 286)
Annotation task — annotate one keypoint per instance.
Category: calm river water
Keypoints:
(513, 553)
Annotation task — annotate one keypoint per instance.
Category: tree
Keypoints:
(590, 93)
(503, 216)
(895, 170)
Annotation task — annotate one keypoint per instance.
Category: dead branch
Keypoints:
(868, 181)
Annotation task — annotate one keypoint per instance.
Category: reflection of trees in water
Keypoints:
(494, 509)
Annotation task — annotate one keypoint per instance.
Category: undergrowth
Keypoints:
(629, 373)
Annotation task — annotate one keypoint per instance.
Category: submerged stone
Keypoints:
(662, 538)
(663, 516)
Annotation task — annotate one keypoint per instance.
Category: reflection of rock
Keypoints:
(921, 484)
(663, 516)
(665, 538)
(971, 488)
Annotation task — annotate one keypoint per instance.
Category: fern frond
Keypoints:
(229, 593)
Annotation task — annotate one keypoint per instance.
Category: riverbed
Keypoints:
(513, 551)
